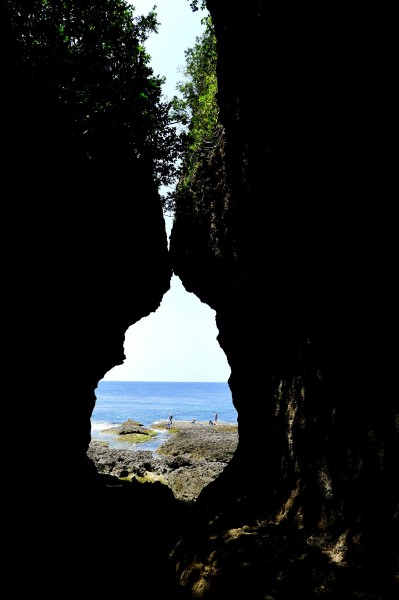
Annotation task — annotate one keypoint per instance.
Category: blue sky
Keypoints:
(177, 342)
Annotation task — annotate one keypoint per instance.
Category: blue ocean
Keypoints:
(151, 402)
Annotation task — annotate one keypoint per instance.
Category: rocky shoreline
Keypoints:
(192, 457)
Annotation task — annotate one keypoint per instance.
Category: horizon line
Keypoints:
(160, 381)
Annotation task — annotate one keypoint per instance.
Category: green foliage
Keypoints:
(197, 5)
(197, 108)
(137, 438)
(83, 72)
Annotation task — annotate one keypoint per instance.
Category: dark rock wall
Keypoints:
(86, 257)
(101, 261)
(91, 259)
(288, 237)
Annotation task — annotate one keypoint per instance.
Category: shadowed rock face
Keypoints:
(281, 242)
(274, 239)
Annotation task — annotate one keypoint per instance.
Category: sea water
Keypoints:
(151, 402)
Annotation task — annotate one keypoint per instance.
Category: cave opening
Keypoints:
(174, 379)
(173, 363)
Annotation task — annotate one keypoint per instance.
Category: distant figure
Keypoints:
(193, 421)
(216, 417)
(170, 418)
(210, 422)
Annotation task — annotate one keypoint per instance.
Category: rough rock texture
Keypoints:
(201, 441)
(189, 460)
(273, 237)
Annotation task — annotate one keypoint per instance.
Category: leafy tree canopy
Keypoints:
(82, 67)
(197, 5)
(197, 107)
(80, 88)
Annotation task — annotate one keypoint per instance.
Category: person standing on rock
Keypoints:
(216, 417)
